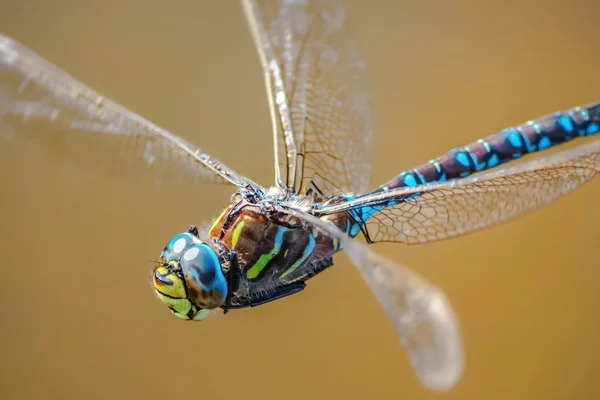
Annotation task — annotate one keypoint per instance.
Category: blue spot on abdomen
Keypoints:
(409, 180)
(566, 123)
(544, 143)
(515, 140)
(462, 159)
(492, 161)
(354, 230)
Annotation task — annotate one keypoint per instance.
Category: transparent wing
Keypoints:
(433, 212)
(41, 103)
(420, 311)
(317, 89)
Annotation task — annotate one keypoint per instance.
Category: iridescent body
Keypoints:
(268, 242)
(277, 253)
(489, 152)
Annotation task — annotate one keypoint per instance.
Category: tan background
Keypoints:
(79, 319)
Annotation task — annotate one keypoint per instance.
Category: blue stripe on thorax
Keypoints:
(308, 250)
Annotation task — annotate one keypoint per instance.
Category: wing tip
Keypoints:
(10, 50)
(7, 42)
(440, 367)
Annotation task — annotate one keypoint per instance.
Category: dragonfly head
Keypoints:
(189, 279)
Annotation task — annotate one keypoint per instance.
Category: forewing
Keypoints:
(317, 89)
(434, 212)
(419, 310)
(41, 103)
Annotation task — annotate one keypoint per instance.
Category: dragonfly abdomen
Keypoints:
(504, 146)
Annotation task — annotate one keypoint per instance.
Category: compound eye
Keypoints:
(204, 279)
(177, 246)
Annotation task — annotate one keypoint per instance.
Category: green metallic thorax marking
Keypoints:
(236, 233)
(264, 259)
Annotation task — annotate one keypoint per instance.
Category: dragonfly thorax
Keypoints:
(276, 193)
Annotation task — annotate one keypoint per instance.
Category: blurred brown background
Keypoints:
(79, 319)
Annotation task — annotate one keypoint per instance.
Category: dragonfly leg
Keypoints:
(281, 292)
(233, 279)
(193, 230)
(232, 214)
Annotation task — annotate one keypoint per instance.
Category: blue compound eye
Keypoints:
(177, 246)
(204, 279)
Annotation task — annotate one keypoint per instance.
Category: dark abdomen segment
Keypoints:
(504, 146)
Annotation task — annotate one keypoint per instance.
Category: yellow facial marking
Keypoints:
(169, 283)
(181, 306)
(180, 316)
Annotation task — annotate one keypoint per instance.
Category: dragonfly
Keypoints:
(269, 241)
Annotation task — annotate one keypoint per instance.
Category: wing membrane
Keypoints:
(434, 212)
(317, 90)
(420, 311)
(40, 102)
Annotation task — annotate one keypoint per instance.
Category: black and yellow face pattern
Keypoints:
(189, 279)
